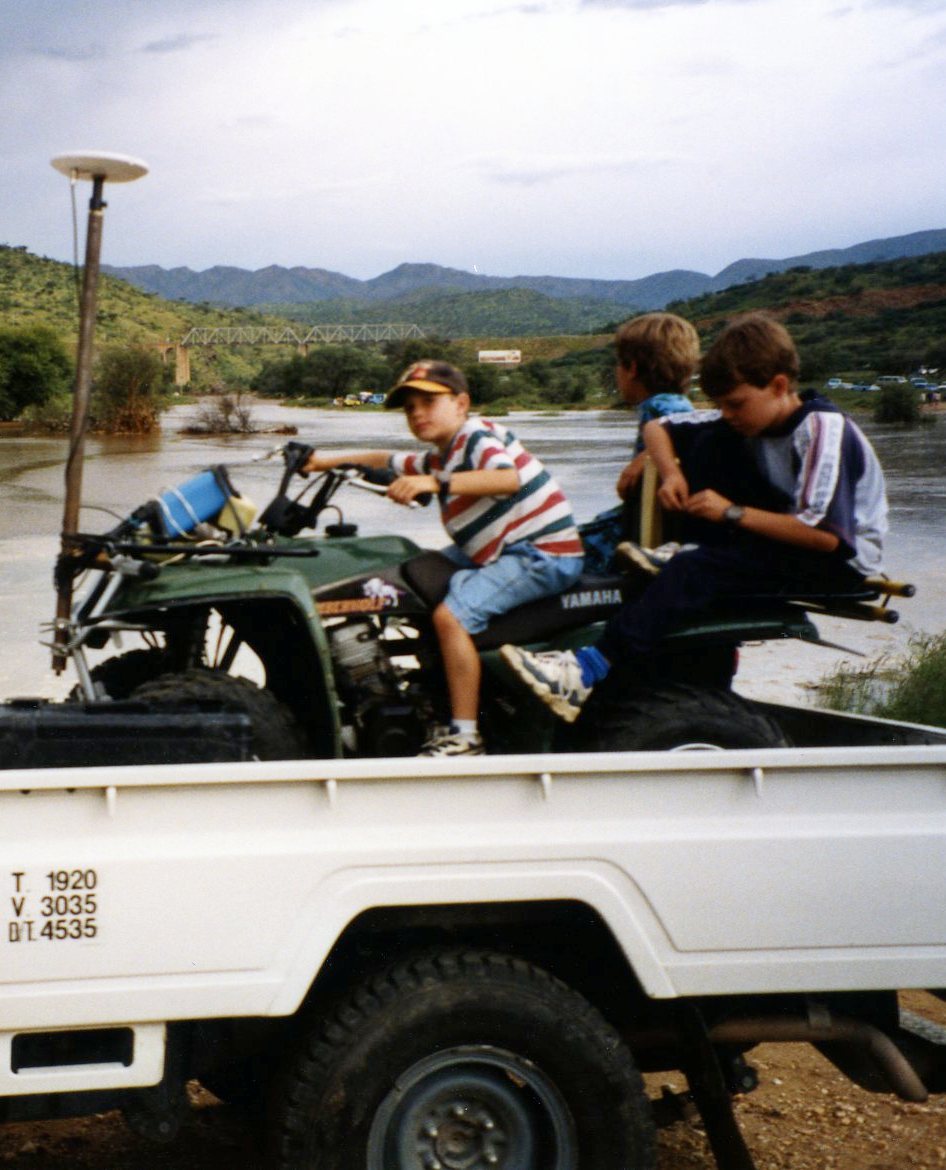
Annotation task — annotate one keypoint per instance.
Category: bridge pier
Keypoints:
(182, 365)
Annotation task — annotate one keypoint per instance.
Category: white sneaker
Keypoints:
(554, 676)
(645, 560)
(444, 742)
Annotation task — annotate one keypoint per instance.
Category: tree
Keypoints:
(401, 354)
(280, 379)
(333, 371)
(330, 371)
(484, 384)
(128, 391)
(34, 368)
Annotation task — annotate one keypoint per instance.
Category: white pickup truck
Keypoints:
(466, 964)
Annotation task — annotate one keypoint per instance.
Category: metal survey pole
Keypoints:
(99, 168)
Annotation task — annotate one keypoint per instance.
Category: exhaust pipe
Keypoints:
(821, 1028)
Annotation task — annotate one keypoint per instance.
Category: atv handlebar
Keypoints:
(377, 480)
(295, 456)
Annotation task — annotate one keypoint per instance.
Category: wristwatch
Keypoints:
(733, 515)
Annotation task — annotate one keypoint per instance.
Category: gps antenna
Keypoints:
(99, 168)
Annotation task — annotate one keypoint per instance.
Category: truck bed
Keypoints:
(716, 872)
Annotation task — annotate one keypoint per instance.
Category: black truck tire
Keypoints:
(275, 734)
(675, 717)
(462, 1059)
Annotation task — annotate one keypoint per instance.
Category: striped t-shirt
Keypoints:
(482, 526)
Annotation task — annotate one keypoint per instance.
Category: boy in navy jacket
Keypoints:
(797, 504)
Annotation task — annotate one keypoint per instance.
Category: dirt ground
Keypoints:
(803, 1116)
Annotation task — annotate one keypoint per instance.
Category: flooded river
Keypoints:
(585, 451)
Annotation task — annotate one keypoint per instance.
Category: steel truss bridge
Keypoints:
(287, 335)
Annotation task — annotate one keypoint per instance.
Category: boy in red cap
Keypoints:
(514, 536)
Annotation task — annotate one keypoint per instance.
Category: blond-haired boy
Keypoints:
(657, 355)
(803, 507)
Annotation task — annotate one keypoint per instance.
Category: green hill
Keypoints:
(37, 291)
(498, 313)
(883, 317)
(275, 284)
(878, 317)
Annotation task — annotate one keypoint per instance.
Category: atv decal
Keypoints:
(589, 597)
(378, 595)
(350, 605)
(383, 591)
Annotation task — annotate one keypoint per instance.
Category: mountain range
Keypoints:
(276, 285)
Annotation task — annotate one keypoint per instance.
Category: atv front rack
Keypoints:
(109, 555)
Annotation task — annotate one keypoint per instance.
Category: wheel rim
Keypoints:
(473, 1108)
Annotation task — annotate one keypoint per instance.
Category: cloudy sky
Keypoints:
(600, 138)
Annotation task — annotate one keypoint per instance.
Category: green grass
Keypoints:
(888, 317)
(37, 291)
(910, 687)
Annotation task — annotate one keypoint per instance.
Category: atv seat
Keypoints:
(594, 598)
(591, 599)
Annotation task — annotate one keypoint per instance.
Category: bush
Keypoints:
(34, 368)
(128, 391)
(52, 416)
(227, 414)
(920, 694)
(897, 403)
(911, 688)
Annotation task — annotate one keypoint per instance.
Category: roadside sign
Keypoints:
(499, 357)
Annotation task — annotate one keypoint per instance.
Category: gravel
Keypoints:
(803, 1116)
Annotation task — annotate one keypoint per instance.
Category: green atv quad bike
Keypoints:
(336, 631)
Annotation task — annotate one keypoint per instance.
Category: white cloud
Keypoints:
(177, 43)
(530, 171)
(574, 136)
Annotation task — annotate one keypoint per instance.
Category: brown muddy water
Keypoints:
(584, 450)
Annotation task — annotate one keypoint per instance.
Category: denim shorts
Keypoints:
(521, 573)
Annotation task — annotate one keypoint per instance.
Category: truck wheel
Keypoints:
(275, 734)
(463, 1061)
(672, 718)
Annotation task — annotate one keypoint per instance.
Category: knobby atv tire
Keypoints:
(118, 677)
(275, 734)
(462, 1059)
(669, 718)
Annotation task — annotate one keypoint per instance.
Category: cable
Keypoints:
(102, 508)
(73, 180)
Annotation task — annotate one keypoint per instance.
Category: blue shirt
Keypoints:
(656, 406)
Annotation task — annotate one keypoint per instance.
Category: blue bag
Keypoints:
(601, 535)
